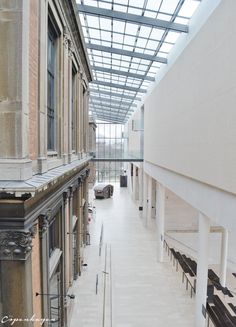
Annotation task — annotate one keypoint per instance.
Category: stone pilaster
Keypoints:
(14, 91)
(16, 274)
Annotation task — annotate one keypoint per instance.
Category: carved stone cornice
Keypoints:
(66, 38)
(16, 245)
(44, 223)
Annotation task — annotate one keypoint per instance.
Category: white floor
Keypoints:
(139, 292)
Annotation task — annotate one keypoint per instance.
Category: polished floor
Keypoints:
(133, 289)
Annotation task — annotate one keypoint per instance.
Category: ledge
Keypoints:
(38, 182)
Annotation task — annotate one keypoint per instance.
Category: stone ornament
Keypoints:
(16, 245)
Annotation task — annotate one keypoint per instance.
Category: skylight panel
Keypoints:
(106, 35)
(166, 47)
(93, 21)
(106, 60)
(129, 40)
(169, 6)
(188, 8)
(152, 45)
(149, 52)
(172, 37)
(136, 3)
(127, 47)
(164, 17)
(105, 23)
(94, 33)
(134, 11)
(116, 56)
(120, 8)
(91, 3)
(131, 29)
(145, 31)
(118, 26)
(142, 67)
(106, 44)
(153, 4)
(141, 43)
(150, 14)
(105, 5)
(181, 20)
(156, 34)
(117, 38)
(125, 58)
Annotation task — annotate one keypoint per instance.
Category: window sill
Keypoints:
(52, 153)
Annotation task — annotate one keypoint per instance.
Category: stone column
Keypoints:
(16, 274)
(202, 269)
(149, 208)
(145, 199)
(134, 182)
(14, 91)
(160, 220)
(70, 103)
(140, 188)
(66, 96)
(223, 257)
(44, 258)
(42, 113)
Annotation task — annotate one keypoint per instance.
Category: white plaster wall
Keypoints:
(134, 136)
(190, 116)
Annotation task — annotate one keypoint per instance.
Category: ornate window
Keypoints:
(51, 68)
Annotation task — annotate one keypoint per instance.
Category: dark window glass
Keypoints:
(54, 232)
(73, 110)
(51, 86)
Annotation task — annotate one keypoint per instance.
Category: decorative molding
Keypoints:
(66, 38)
(16, 245)
(44, 223)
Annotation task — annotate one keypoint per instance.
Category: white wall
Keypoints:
(190, 117)
(134, 136)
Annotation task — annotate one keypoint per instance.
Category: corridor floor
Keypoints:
(133, 289)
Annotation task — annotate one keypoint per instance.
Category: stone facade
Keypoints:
(92, 151)
(44, 158)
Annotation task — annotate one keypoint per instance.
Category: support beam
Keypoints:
(122, 73)
(119, 86)
(142, 20)
(202, 269)
(126, 53)
(113, 94)
(223, 257)
(110, 109)
(111, 101)
(160, 220)
(110, 116)
(116, 105)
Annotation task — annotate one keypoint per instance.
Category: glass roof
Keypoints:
(128, 41)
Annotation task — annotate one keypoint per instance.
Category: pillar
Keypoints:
(140, 188)
(14, 91)
(202, 269)
(160, 220)
(145, 198)
(42, 94)
(149, 204)
(134, 183)
(16, 275)
(223, 257)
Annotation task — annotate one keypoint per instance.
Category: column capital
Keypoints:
(16, 244)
